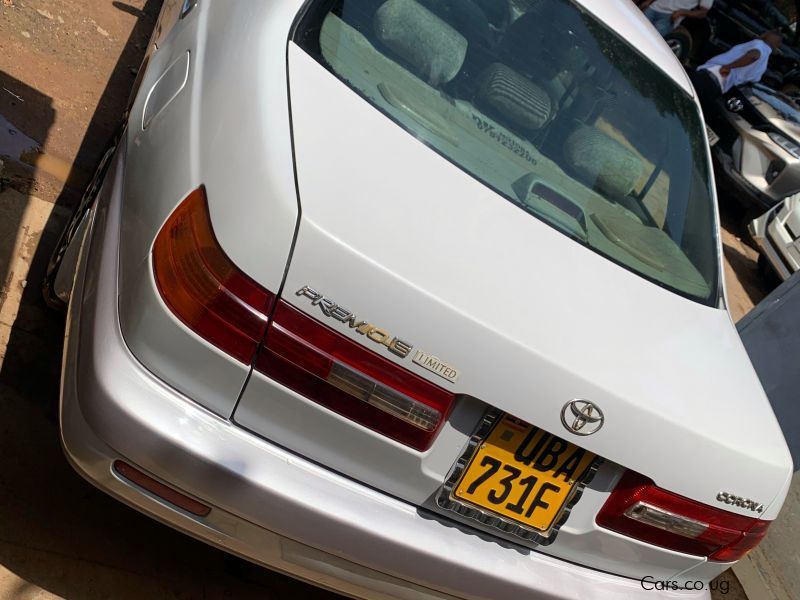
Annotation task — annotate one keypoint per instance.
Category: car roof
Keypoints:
(625, 18)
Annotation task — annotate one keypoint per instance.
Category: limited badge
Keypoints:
(372, 332)
(435, 365)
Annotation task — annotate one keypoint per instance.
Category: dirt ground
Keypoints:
(66, 68)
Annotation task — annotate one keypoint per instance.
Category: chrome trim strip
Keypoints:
(187, 7)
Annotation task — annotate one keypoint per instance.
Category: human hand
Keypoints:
(725, 70)
(678, 14)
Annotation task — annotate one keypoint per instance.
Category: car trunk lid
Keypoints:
(522, 318)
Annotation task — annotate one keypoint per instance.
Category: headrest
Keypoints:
(512, 97)
(434, 49)
(465, 16)
(601, 162)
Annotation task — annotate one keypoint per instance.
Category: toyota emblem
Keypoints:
(735, 105)
(582, 417)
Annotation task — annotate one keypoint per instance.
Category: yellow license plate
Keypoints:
(523, 473)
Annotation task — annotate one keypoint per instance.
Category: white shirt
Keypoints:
(740, 75)
(670, 6)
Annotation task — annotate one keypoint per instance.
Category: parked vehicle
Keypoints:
(777, 233)
(410, 299)
(758, 154)
(732, 22)
(771, 335)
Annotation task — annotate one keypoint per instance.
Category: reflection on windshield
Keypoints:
(547, 107)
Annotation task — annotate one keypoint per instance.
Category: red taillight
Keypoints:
(206, 291)
(342, 375)
(640, 509)
(203, 287)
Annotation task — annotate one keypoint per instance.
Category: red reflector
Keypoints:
(342, 375)
(164, 492)
(203, 287)
(749, 540)
(640, 509)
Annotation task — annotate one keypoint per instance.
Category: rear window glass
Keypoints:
(548, 107)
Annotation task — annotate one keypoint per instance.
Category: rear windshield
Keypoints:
(548, 107)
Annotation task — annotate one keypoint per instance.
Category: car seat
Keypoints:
(601, 162)
(434, 50)
(514, 100)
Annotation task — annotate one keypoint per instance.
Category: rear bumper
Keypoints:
(269, 505)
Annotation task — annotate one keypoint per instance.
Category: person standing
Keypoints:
(744, 63)
(666, 15)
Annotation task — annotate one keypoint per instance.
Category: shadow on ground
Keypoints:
(747, 271)
(57, 532)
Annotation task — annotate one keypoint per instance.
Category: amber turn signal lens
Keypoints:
(201, 285)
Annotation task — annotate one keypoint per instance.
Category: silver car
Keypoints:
(758, 149)
(418, 299)
(777, 233)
